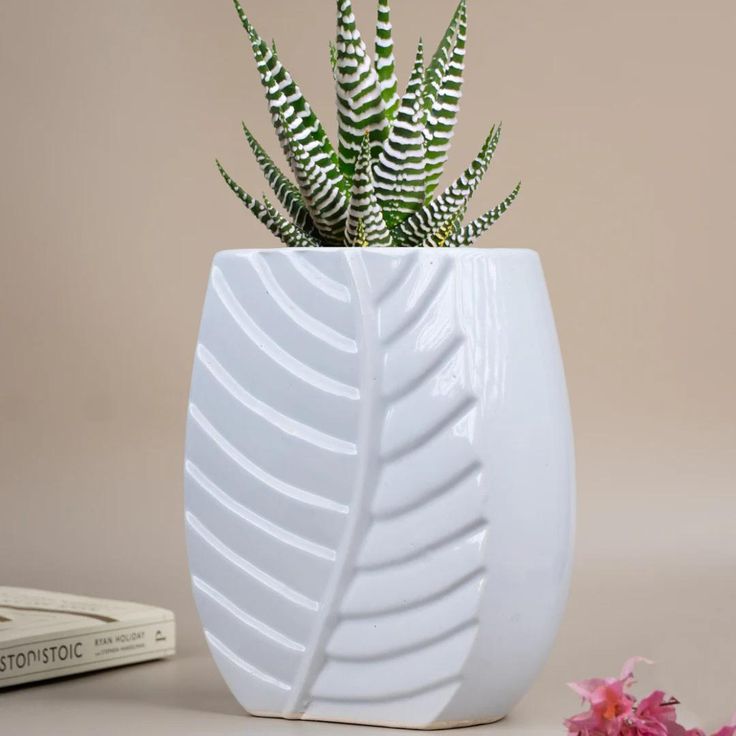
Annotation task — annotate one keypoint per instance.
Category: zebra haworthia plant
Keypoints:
(378, 188)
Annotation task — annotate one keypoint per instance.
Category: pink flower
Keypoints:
(613, 712)
(611, 707)
(728, 730)
(653, 716)
(675, 729)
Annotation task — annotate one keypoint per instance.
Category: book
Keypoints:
(45, 635)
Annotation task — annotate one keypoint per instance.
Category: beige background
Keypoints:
(619, 118)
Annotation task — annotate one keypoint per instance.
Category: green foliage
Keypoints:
(385, 61)
(366, 223)
(401, 177)
(378, 187)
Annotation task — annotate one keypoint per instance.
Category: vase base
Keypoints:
(436, 726)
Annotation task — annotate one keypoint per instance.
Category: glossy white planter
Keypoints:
(379, 482)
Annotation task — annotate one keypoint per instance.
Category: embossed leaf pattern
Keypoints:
(332, 562)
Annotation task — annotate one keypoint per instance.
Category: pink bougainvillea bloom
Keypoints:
(611, 707)
(728, 730)
(613, 712)
(678, 730)
(653, 716)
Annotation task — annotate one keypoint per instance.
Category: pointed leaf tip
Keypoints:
(443, 92)
(366, 225)
(400, 170)
(286, 192)
(244, 18)
(470, 233)
(360, 92)
(385, 61)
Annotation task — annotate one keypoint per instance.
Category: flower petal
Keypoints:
(586, 688)
(628, 669)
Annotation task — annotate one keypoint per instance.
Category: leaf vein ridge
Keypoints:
(251, 621)
(436, 684)
(241, 664)
(318, 279)
(297, 314)
(415, 646)
(277, 586)
(436, 545)
(438, 595)
(267, 527)
(440, 490)
(415, 383)
(465, 406)
(272, 349)
(273, 416)
(275, 484)
(428, 295)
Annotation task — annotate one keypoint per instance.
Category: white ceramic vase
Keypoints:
(379, 482)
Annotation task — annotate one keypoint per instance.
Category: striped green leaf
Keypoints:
(327, 205)
(366, 225)
(428, 226)
(385, 61)
(469, 234)
(445, 85)
(286, 192)
(360, 105)
(440, 60)
(286, 102)
(378, 187)
(287, 232)
(400, 171)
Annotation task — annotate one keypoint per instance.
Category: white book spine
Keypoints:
(93, 648)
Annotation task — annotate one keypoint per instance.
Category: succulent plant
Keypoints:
(378, 187)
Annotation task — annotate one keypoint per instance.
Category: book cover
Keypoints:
(45, 635)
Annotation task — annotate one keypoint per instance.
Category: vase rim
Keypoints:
(442, 252)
